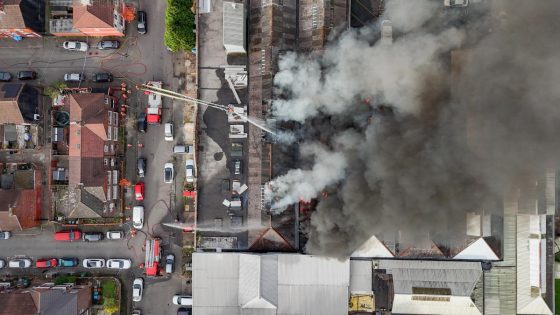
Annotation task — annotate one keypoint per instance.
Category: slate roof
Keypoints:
(97, 15)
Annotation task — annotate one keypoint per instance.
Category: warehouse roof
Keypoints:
(234, 27)
(234, 283)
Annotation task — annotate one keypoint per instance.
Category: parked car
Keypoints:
(68, 235)
(2, 263)
(27, 75)
(168, 173)
(141, 167)
(142, 24)
(102, 77)
(138, 217)
(169, 263)
(93, 263)
(189, 168)
(168, 132)
(137, 289)
(237, 166)
(75, 46)
(46, 263)
(5, 77)
(74, 77)
(136, 312)
(19, 263)
(119, 263)
(68, 262)
(115, 235)
(108, 44)
(183, 149)
(5, 235)
(92, 236)
(139, 191)
(142, 123)
(184, 311)
(386, 32)
(456, 3)
(184, 300)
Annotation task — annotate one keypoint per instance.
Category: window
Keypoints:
(431, 291)
(105, 148)
(110, 118)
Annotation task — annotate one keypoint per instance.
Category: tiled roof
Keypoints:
(93, 172)
(97, 15)
(13, 17)
(87, 108)
(92, 143)
(17, 303)
(9, 93)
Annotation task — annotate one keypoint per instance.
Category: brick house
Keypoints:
(47, 299)
(93, 168)
(87, 18)
(20, 192)
(25, 18)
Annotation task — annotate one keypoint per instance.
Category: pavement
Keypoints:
(214, 162)
(140, 58)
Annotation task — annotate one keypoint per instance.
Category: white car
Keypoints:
(168, 173)
(73, 77)
(119, 263)
(456, 3)
(19, 263)
(137, 289)
(138, 217)
(94, 263)
(168, 132)
(5, 235)
(184, 300)
(2, 263)
(189, 168)
(75, 46)
(115, 235)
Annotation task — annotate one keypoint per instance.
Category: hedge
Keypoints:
(179, 25)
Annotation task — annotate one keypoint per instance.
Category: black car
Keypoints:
(237, 167)
(108, 44)
(142, 23)
(184, 311)
(92, 236)
(27, 75)
(102, 77)
(5, 77)
(142, 123)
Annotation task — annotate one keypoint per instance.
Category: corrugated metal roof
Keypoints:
(459, 276)
(360, 276)
(233, 283)
(234, 27)
(452, 305)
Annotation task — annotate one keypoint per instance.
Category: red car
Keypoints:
(46, 263)
(139, 191)
(68, 235)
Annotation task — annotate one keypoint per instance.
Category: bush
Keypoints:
(108, 289)
(179, 25)
(110, 305)
(55, 90)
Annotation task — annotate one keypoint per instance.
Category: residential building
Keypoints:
(318, 20)
(235, 283)
(25, 18)
(87, 18)
(47, 299)
(20, 192)
(19, 104)
(86, 166)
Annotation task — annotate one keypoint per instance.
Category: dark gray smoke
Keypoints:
(464, 125)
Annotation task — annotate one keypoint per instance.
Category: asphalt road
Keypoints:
(140, 58)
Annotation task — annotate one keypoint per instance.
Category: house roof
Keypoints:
(271, 239)
(23, 14)
(17, 302)
(13, 17)
(269, 284)
(97, 15)
(9, 94)
(55, 302)
(87, 108)
(478, 250)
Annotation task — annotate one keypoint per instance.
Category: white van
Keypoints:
(168, 132)
(138, 217)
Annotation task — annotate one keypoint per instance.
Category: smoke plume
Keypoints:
(411, 136)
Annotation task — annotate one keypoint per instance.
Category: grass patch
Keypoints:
(109, 289)
(65, 279)
(179, 25)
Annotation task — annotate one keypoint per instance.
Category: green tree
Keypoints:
(55, 90)
(179, 25)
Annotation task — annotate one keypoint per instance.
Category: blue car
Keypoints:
(68, 262)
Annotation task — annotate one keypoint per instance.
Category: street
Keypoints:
(139, 59)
